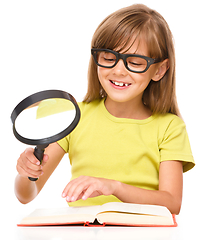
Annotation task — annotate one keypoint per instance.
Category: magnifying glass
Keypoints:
(43, 118)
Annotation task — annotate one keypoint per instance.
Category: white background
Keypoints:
(45, 44)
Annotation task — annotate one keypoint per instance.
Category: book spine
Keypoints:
(88, 224)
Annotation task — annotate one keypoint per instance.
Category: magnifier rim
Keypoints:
(39, 96)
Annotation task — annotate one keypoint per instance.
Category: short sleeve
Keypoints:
(175, 144)
(64, 143)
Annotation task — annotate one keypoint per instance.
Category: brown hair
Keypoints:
(117, 32)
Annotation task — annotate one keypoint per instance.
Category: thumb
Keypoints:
(45, 159)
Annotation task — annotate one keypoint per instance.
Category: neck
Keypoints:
(131, 109)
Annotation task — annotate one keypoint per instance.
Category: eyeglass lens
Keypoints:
(108, 59)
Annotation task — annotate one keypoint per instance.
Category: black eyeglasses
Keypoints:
(133, 62)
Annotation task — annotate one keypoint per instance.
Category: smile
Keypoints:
(120, 84)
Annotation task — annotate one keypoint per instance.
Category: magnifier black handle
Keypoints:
(38, 153)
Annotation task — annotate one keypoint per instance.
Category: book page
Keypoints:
(91, 210)
(136, 208)
(133, 219)
(61, 215)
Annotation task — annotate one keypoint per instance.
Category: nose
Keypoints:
(119, 68)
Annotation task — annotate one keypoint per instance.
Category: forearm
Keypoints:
(25, 189)
(131, 194)
(28, 165)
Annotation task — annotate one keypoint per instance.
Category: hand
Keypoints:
(85, 187)
(29, 166)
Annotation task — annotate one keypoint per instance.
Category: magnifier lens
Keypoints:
(45, 118)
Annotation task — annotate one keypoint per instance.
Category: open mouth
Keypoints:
(120, 84)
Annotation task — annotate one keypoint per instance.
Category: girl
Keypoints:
(131, 144)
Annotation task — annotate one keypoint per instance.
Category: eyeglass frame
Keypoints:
(124, 57)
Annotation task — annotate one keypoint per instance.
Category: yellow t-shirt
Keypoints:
(122, 149)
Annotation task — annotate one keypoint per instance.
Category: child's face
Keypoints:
(120, 84)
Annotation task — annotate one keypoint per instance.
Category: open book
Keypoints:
(113, 213)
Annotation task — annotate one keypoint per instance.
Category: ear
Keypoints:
(161, 70)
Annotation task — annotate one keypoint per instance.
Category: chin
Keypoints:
(120, 99)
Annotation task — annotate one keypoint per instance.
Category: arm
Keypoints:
(168, 195)
(28, 165)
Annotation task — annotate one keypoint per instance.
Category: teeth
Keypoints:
(120, 84)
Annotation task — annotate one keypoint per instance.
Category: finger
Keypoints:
(73, 191)
(88, 192)
(69, 185)
(66, 189)
(74, 188)
(33, 173)
(29, 154)
(26, 172)
(27, 163)
(77, 194)
(30, 166)
(21, 171)
(79, 190)
(45, 159)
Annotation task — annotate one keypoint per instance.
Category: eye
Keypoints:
(108, 56)
(109, 59)
(136, 61)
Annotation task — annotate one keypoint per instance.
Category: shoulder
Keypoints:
(169, 120)
(169, 125)
(88, 108)
(171, 129)
(85, 106)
